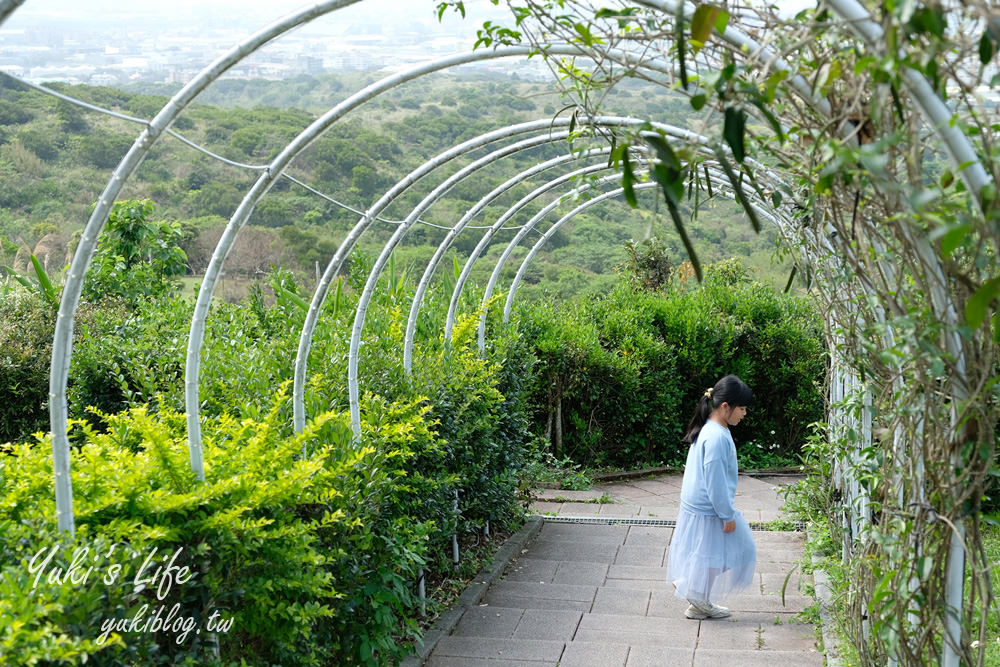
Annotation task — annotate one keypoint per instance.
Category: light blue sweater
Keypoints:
(709, 486)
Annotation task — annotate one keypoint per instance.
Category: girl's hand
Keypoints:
(729, 526)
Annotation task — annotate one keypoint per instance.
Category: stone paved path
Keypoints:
(591, 595)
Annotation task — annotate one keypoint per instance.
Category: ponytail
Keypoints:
(701, 414)
(729, 389)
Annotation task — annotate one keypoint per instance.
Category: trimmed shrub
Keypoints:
(312, 561)
(625, 371)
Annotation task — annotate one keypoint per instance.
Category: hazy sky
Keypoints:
(258, 13)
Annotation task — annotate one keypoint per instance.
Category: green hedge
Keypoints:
(313, 561)
(629, 368)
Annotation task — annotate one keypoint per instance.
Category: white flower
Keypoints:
(974, 644)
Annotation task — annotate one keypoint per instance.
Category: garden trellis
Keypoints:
(873, 267)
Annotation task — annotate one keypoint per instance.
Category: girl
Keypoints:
(712, 553)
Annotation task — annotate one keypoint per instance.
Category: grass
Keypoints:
(991, 541)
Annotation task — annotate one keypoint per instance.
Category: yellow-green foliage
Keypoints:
(313, 560)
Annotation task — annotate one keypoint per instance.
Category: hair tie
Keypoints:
(708, 392)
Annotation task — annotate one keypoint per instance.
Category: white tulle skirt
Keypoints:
(707, 564)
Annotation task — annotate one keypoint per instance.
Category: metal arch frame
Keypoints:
(62, 343)
(446, 243)
(266, 180)
(322, 288)
(366, 220)
(718, 179)
(459, 226)
(401, 186)
(495, 275)
(375, 273)
(8, 7)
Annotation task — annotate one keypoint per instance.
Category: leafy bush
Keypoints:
(625, 371)
(312, 560)
(27, 325)
(135, 258)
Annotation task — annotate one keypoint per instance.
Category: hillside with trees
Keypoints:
(56, 157)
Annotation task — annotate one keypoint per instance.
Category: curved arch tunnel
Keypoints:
(739, 43)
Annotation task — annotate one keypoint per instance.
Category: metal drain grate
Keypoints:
(639, 521)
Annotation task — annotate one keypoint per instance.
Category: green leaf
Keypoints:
(741, 195)
(698, 101)
(44, 284)
(986, 48)
(978, 304)
(584, 32)
(701, 26)
(688, 246)
(663, 151)
(628, 180)
(292, 297)
(679, 39)
(953, 238)
(772, 84)
(791, 277)
(733, 129)
(721, 21)
(772, 121)
(671, 182)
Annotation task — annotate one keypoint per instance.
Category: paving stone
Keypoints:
(536, 650)
(531, 569)
(659, 486)
(789, 637)
(655, 656)
(605, 601)
(580, 573)
(659, 511)
(747, 483)
(488, 621)
(579, 509)
(580, 532)
(624, 490)
(648, 536)
(549, 494)
(591, 552)
(619, 510)
(546, 591)
(772, 515)
(705, 657)
(548, 624)
(621, 602)
(521, 602)
(636, 630)
(642, 584)
(740, 635)
(664, 604)
(543, 507)
(673, 637)
(789, 538)
(764, 618)
(588, 654)
(773, 567)
(770, 553)
(785, 480)
(643, 555)
(637, 572)
(450, 661)
(767, 603)
(773, 582)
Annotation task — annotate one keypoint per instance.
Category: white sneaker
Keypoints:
(701, 609)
